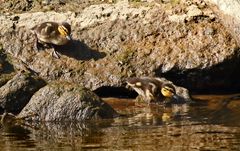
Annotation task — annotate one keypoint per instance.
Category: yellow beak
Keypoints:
(69, 37)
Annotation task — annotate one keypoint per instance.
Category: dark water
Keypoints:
(213, 123)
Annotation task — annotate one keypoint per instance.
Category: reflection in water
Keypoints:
(144, 127)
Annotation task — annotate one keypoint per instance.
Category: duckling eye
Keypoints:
(63, 30)
(169, 89)
(165, 90)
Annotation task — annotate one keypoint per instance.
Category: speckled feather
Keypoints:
(47, 32)
(144, 86)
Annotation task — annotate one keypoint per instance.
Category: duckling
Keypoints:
(148, 88)
(52, 33)
(153, 89)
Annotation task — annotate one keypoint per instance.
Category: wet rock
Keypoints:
(16, 93)
(62, 101)
(8, 119)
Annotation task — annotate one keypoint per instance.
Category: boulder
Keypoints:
(121, 40)
(228, 12)
(6, 68)
(63, 101)
(16, 93)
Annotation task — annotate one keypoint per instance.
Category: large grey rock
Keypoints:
(62, 101)
(16, 93)
(121, 40)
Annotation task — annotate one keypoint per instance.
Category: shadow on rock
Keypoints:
(80, 51)
(5, 66)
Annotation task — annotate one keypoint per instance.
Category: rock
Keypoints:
(8, 119)
(4, 78)
(6, 68)
(120, 40)
(209, 31)
(177, 18)
(16, 93)
(62, 101)
(1, 65)
(228, 12)
(193, 11)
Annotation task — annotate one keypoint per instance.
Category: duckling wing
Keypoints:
(46, 29)
(49, 30)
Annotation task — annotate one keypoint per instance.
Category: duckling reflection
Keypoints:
(175, 112)
(52, 33)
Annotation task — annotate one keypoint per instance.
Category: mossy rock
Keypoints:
(16, 93)
(63, 101)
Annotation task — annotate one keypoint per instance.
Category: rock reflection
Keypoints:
(15, 135)
(50, 135)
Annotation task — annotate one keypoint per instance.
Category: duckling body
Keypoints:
(52, 33)
(148, 88)
(152, 89)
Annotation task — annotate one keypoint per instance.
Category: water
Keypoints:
(211, 124)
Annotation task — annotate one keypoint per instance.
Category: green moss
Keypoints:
(4, 78)
(125, 56)
(175, 2)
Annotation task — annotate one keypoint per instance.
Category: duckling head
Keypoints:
(168, 91)
(65, 30)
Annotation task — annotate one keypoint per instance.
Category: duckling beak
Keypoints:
(69, 37)
(175, 96)
(178, 99)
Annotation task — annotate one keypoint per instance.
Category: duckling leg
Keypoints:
(55, 54)
(38, 46)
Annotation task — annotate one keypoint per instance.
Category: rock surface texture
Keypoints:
(184, 41)
(61, 101)
(16, 93)
(228, 12)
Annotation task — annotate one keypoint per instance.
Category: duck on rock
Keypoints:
(52, 33)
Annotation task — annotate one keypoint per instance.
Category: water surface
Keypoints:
(213, 123)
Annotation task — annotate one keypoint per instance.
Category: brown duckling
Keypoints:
(152, 89)
(52, 33)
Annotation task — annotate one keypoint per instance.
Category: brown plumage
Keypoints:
(52, 33)
(151, 89)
